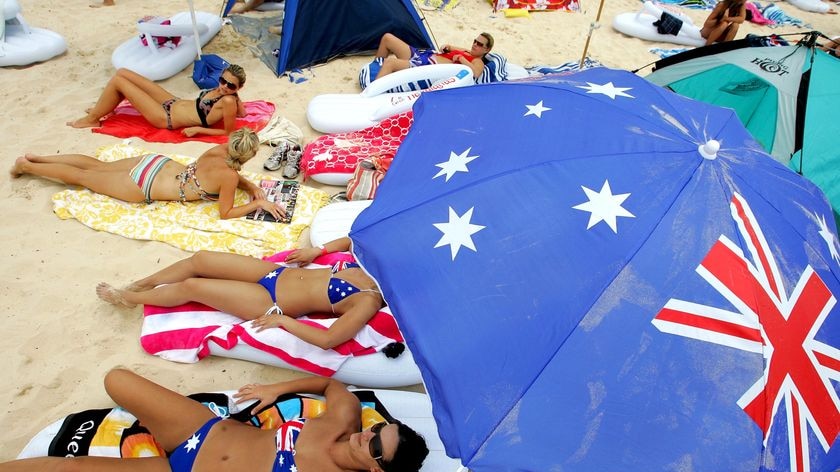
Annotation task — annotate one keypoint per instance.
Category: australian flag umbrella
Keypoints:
(596, 274)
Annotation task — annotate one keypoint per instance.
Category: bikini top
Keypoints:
(203, 106)
(451, 55)
(339, 289)
(285, 438)
(188, 178)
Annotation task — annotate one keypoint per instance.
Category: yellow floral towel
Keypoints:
(191, 226)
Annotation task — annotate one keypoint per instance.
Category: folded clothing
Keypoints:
(127, 122)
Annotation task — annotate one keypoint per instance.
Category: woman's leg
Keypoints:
(87, 464)
(390, 44)
(729, 33)
(145, 95)
(392, 64)
(714, 33)
(114, 183)
(84, 162)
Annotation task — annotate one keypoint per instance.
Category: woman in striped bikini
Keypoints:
(154, 177)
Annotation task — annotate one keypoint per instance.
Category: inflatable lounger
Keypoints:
(816, 6)
(161, 62)
(640, 25)
(128, 439)
(341, 113)
(21, 44)
(334, 221)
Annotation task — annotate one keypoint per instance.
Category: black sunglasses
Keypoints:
(375, 444)
(229, 85)
(478, 43)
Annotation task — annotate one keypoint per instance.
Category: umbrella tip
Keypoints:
(709, 149)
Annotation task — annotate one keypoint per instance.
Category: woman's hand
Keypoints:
(270, 320)
(303, 256)
(257, 193)
(264, 395)
(277, 211)
(191, 131)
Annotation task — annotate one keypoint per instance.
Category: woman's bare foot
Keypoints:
(17, 169)
(86, 122)
(112, 295)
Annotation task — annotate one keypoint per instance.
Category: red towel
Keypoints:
(127, 122)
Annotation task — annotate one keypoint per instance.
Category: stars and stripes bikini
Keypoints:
(337, 289)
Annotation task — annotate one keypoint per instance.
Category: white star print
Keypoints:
(271, 274)
(292, 468)
(281, 460)
(604, 206)
(192, 443)
(607, 89)
(456, 163)
(536, 110)
(828, 237)
(458, 231)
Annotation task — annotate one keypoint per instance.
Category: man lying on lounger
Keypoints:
(405, 56)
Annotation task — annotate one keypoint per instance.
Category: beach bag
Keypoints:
(160, 41)
(207, 69)
(367, 176)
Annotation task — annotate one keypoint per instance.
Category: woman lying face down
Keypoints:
(213, 176)
(164, 110)
(271, 295)
(196, 440)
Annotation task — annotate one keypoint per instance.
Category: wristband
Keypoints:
(323, 250)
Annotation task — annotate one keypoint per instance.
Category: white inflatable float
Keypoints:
(341, 113)
(413, 409)
(640, 25)
(21, 44)
(816, 6)
(334, 221)
(158, 63)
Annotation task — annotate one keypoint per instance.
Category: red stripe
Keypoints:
(762, 256)
(828, 361)
(797, 434)
(297, 362)
(189, 338)
(709, 324)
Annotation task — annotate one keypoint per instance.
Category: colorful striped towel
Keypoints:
(779, 17)
(565, 67)
(183, 334)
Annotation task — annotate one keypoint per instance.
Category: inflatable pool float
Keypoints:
(640, 25)
(341, 113)
(158, 63)
(411, 408)
(816, 6)
(334, 221)
(21, 44)
(271, 6)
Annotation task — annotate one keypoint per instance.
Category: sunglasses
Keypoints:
(375, 444)
(229, 85)
(478, 43)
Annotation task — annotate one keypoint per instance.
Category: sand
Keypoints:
(59, 339)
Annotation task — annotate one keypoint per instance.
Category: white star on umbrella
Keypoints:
(456, 163)
(828, 237)
(604, 206)
(271, 274)
(607, 89)
(192, 443)
(536, 110)
(292, 468)
(458, 231)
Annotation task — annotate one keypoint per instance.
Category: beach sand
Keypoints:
(59, 339)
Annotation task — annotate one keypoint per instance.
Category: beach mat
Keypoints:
(191, 226)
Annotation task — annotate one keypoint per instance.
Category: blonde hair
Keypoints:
(237, 72)
(242, 146)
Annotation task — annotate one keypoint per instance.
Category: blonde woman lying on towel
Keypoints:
(213, 176)
(197, 440)
(272, 295)
(164, 110)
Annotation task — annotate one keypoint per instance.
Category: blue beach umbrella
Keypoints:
(596, 274)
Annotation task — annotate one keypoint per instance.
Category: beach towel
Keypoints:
(573, 66)
(565, 5)
(663, 53)
(127, 122)
(340, 152)
(191, 226)
(695, 4)
(114, 432)
(183, 333)
(755, 15)
(778, 16)
(439, 5)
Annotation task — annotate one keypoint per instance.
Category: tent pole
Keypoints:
(592, 27)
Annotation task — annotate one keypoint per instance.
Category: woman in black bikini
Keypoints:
(153, 177)
(272, 295)
(197, 440)
(164, 110)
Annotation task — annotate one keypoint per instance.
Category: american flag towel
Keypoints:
(183, 334)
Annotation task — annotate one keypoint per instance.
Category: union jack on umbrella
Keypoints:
(596, 274)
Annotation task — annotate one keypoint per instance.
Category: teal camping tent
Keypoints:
(786, 96)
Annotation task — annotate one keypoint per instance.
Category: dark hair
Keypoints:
(411, 451)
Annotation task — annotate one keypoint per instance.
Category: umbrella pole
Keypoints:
(592, 27)
(195, 29)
